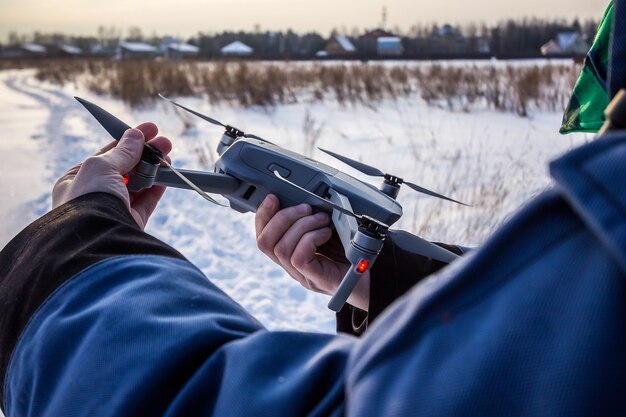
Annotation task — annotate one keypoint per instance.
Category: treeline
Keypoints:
(528, 35)
(510, 38)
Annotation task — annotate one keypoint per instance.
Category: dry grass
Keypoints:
(513, 88)
(311, 132)
(507, 88)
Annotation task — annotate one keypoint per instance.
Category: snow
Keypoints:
(34, 48)
(237, 48)
(184, 47)
(345, 43)
(565, 40)
(137, 47)
(389, 40)
(492, 161)
(72, 50)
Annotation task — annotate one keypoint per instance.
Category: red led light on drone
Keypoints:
(125, 180)
(362, 266)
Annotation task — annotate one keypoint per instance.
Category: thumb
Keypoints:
(127, 153)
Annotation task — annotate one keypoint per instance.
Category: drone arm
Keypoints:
(362, 252)
(345, 225)
(419, 246)
(210, 182)
(344, 290)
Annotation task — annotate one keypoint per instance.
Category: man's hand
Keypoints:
(291, 238)
(104, 172)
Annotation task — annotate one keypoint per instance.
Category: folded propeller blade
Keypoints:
(359, 166)
(212, 120)
(114, 126)
(251, 136)
(375, 172)
(195, 113)
(431, 193)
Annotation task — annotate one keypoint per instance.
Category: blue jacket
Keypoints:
(99, 319)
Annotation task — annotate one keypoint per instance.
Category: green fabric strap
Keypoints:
(585, 111)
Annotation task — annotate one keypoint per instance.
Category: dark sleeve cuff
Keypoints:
(394, 273)
(56, 247)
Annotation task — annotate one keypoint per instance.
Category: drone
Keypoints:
(250, 167)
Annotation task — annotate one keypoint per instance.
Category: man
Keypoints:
(301, 243)
(99, 318)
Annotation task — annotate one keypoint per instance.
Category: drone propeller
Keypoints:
(116, 128)
(375, 172)
(234, 130)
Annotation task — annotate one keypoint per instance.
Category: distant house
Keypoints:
(482, 44)
(551, 48)
(367, 44)
(375, 34)
(337, 46)
(181, 50)
(447, 39)
(34, 50)
(447, 31)
(131, 50)
(99, 50)
(389, 46)
(25, 50)
(68, 51)
(565, 43)
(236, 48)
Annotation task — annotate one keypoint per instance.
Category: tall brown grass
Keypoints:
(502, 87)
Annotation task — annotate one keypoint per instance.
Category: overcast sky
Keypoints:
(188, 17)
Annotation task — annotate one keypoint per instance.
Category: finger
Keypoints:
(144, 203)
(127, 153)
(67, 178)
(277, 226)
(73, 170)
(285, 248)
(314, 271)
(268, 208)
(107, 148)
(321, 274)
(149, 130)
(161, 143)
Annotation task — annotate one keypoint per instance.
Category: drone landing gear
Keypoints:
(362, 244)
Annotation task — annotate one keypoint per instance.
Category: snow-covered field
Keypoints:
(492, 161)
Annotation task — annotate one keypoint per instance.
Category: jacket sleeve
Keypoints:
(58, 246)
(532, 323)
(99, 318)
(394, 273)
